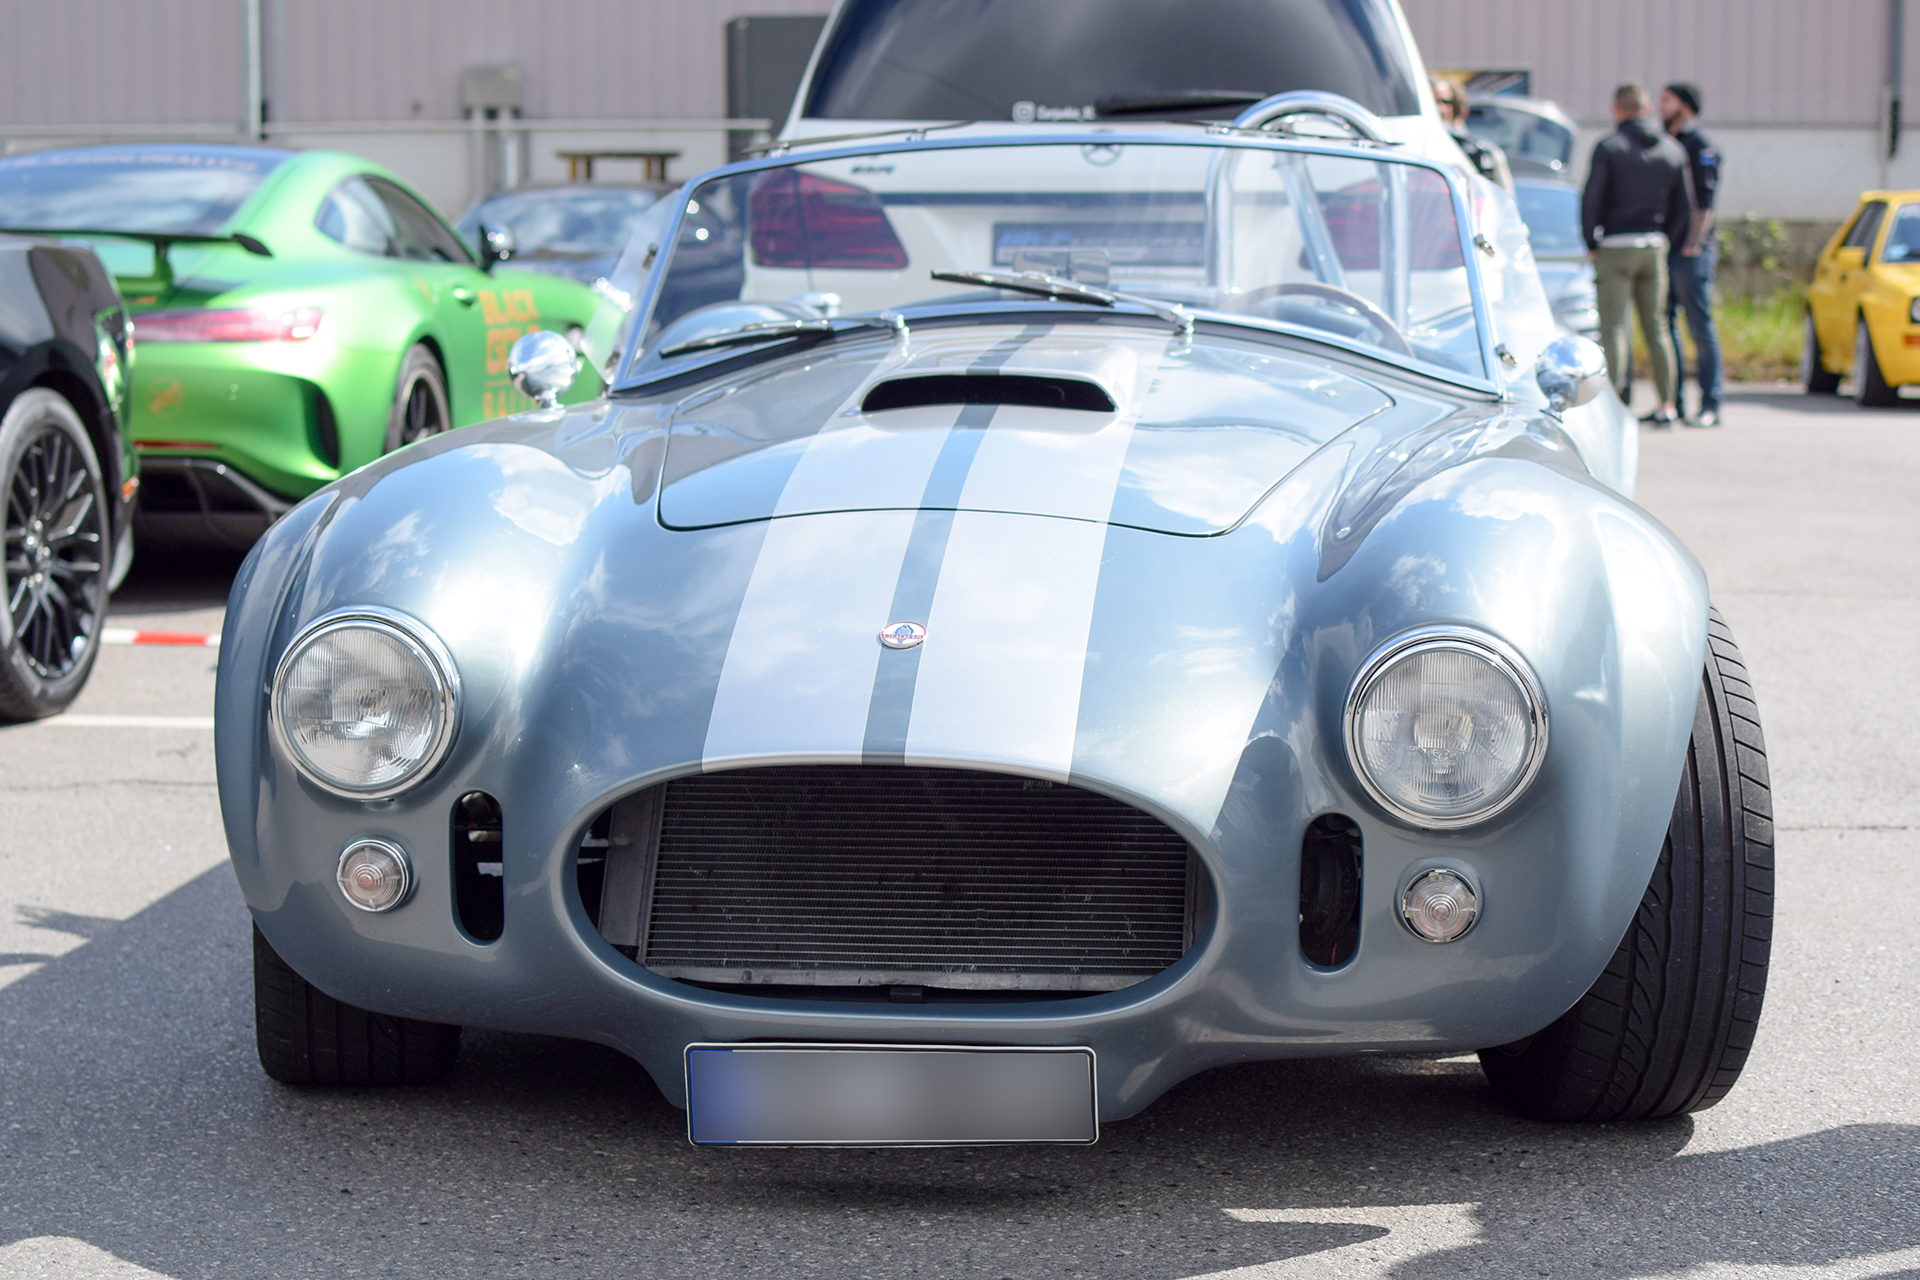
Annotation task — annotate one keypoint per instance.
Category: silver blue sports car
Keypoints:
(1033, 619)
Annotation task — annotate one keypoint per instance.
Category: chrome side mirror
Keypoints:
(543, 366)
(1571, 371)
(497, 244)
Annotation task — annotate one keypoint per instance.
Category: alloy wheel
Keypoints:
(422, 415)
(54, 541)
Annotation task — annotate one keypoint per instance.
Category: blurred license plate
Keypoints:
(888, 1095)
(1126, 244)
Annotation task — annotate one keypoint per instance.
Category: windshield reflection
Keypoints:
(1366, 250)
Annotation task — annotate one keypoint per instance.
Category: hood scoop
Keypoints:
(1037, 391)
(1114, 426)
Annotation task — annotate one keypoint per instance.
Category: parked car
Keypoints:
(1863, 307)
(1551, 211)
(67, 468)
(300, 313)
(574, 232)
(1536, 135)
(897, 64)
(963, 713)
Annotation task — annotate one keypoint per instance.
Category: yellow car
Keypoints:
(1863, 307)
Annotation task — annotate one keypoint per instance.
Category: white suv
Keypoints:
(901, 64)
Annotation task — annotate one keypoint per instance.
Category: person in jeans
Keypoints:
(1636, 207)
(1690, 266)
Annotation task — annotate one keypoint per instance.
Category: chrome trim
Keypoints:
(399, 856)
(1311, 102)
(625, 379)
(1505, 659)
(1423, 872)
(426, 646)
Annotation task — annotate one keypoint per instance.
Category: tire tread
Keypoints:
(306, 1037)
(1669, 1024)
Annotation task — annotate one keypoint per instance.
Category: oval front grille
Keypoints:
(885, 875)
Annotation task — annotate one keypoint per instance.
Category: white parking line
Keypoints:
(81, 721)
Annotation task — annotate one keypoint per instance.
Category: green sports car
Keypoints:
(298, 315)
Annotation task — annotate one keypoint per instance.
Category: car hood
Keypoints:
(1176, 437)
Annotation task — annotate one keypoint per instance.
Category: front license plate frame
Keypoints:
(829, 1094)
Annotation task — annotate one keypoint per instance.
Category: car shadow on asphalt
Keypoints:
(175, 581)
(135, 1117)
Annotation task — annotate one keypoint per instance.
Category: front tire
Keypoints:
(57, 547)
(1667, 1027)
(307, 1037)
(1813, 370)
(420, 407)
(1870, 389)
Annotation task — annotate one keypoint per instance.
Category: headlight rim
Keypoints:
(409, 631)
(1481, 644)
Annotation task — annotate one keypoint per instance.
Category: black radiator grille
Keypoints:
(874, 875)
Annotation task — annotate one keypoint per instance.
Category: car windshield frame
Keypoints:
(640, 369)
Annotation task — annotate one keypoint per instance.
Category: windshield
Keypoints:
(1552, 213)
(1527, 138)
(192, 190)
(563, 223)
(1363, 250)
(1903, 238)
(1055, 60)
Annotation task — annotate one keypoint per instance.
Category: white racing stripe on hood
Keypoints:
(1006, 648)
(801, 663)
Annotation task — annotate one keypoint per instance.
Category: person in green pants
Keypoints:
(1637, 205)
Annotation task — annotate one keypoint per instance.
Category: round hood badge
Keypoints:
(902, 635)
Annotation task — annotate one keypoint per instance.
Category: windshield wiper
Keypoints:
(772, 330)
(1045, 286)
(1146, 104)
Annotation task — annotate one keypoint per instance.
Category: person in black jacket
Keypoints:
(1690, 265)
(1637, 205)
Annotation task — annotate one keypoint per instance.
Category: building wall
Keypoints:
(1793, 90)
(379, 78)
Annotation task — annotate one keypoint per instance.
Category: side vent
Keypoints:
(479, 880)
(988, 388)
(1330, 877)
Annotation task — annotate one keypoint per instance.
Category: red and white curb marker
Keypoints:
(127, 635)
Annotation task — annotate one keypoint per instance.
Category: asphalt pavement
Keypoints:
(138, 1136)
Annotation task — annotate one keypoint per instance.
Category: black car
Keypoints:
(66, 464)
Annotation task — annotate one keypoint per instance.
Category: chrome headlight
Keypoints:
(1445, 727)
(364, 703)
(1913, 311)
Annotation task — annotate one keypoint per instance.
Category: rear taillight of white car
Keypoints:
(804, 220)
(228, 324)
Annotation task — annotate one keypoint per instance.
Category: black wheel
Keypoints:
(420, 402)
(1870, 389)
(1666, 1029)
(1813, 370)
(56, 554)
(307, 1037)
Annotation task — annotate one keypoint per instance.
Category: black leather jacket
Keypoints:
(1637, 184)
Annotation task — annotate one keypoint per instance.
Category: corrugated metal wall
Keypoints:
(1775, 62)
(151, 62)
(65, 62)
(181, 61)
(583, 59)
(1793, 88)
